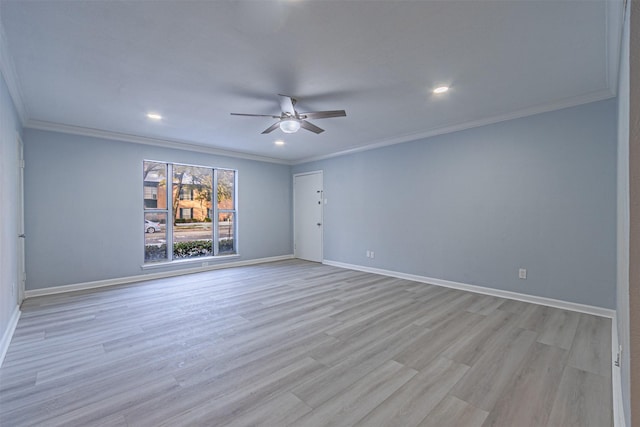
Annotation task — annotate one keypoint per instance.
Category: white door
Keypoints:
(307, 216)
(21, 259)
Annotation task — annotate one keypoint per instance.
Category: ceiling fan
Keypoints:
(290, 121)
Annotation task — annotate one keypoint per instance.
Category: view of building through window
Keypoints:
(226, 189)
(190, 231)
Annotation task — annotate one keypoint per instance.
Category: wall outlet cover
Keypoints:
(522, 273)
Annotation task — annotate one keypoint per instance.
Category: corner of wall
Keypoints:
(8, 72)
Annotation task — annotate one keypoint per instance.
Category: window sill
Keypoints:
(204, 261)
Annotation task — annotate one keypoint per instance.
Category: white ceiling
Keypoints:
(102, 65)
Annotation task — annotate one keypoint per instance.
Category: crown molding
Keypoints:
(545, 108)
(165, 143)
(8, 71)
(190, 146)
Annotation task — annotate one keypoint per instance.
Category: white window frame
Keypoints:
(169, 214)
(217, 211)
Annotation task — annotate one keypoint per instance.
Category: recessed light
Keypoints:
(154, 116)
(279, 142)
(441, 89)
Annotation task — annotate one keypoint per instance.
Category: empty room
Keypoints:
(320, 213)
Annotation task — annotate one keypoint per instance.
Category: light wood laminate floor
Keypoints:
(302, 344)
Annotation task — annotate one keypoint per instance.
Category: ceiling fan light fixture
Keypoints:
(290, 125)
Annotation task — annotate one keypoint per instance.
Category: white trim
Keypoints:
(186, 145)
(616, 379)
(545, 108)
(550, 302)
(142, 277)
(8, 333)
(307, 173)
(166, 143)
(22, 272)
(8, 71)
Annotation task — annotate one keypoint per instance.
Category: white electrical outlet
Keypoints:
(522, 273)
(373, 254)
(368, 253)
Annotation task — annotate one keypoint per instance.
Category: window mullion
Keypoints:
(214, 220)
(170, 218)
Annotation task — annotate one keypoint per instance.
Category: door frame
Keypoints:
(20, 240)
(315, 172)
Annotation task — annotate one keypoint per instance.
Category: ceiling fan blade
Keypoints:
(308, 126)
(287, 103)
(271, 128)
(255, 115)
(323, 114)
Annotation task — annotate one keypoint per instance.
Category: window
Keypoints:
(183, 219)
(226, 207)
(154, 181)
(155, 211)
(186, 193)
(150, 191)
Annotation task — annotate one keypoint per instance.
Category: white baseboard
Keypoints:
(565, 305)
(616, 379)
(8, 333)
(150, 276)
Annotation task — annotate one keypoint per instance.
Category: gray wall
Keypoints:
(83, 204)
(9, 129)
(476, 205)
